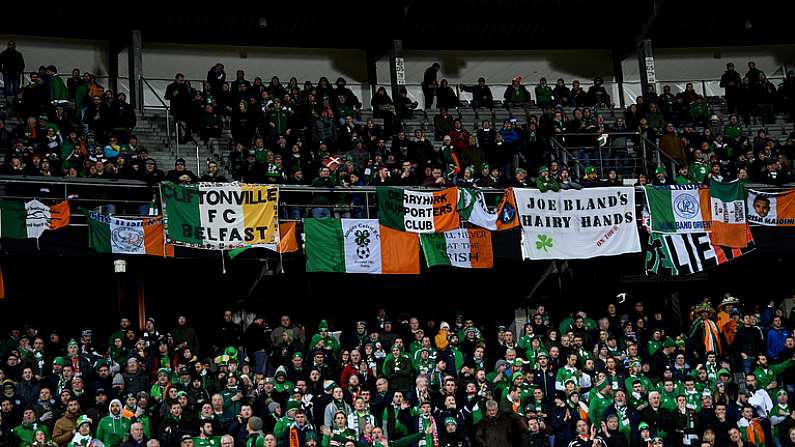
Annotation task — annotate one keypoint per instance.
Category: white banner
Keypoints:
(577, 224)
(362, 245)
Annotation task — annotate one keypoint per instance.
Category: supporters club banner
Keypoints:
(677, 209)
(577, 224)
(685, 254)
(28, 220)
(220, 215)
(107, 234)
(418, 211)
(359, 246)
(463, 247)
(771, 209)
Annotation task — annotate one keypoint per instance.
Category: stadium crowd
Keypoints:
(626, 376)
(311, 134)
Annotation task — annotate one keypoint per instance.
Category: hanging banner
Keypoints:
(418, 211)
(771, 209)
(577, 224)
(465, 247)
(679, 209)
(220, 215)
(685, 254)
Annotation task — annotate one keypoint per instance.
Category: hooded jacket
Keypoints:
(112, 429)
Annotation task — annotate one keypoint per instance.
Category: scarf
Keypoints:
(357, 421)
(295, 440)
(422, 423)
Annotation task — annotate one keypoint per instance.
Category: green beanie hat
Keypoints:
(659, 170)
(590, 170)
(323, 326)
(668, 343)
(58, 361)
(450, 421)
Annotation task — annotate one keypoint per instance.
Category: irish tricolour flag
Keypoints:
(462, 247)
(418, 211)
(679, 208)
(359, 246)
(22, 220)
(109, 234)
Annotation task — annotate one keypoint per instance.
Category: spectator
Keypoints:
(12, 65)
(446, 98)
(516, 94)
(731, 83)
(544, 94)
(481, 94)
(429, 84)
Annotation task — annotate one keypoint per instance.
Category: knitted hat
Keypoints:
(450, 421)
(659, 170)
(323, 326)
(601, 384)
(280, 371)
(499, 363)
(329, 385)
(542, 354)
(668, 343)
(273, 406)
(298, 355)
(117, 380)
(293, 404)
(643, 426)
(543, 168)
(58, 361)
(255, 423)
(164, 371)
(72, 343)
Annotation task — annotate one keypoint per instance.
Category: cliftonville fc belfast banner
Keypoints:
(220, 215)
(577, 224)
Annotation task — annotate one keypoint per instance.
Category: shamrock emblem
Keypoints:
(362, 237)
(544, 242)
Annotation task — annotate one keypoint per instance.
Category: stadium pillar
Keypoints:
(618, 76)
(113, 65)
(135, 66)
(646, 61)
(397, 68)
(141, 302)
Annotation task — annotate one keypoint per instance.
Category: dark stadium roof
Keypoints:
(434, 24)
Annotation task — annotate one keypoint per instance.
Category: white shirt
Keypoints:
(761, 402)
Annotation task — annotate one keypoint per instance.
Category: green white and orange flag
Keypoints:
(462, 247)
(729, 223)
(108, 234)
(418, 211)
(677, 209)
(23, 220)
(359, 246)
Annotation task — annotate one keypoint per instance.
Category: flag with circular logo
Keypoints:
(677, 209)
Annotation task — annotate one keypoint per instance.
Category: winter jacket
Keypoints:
(775, 341)
(495, 432)
(64, 429)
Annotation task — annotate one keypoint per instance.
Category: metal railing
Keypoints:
(132, 197)
(168, 112)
